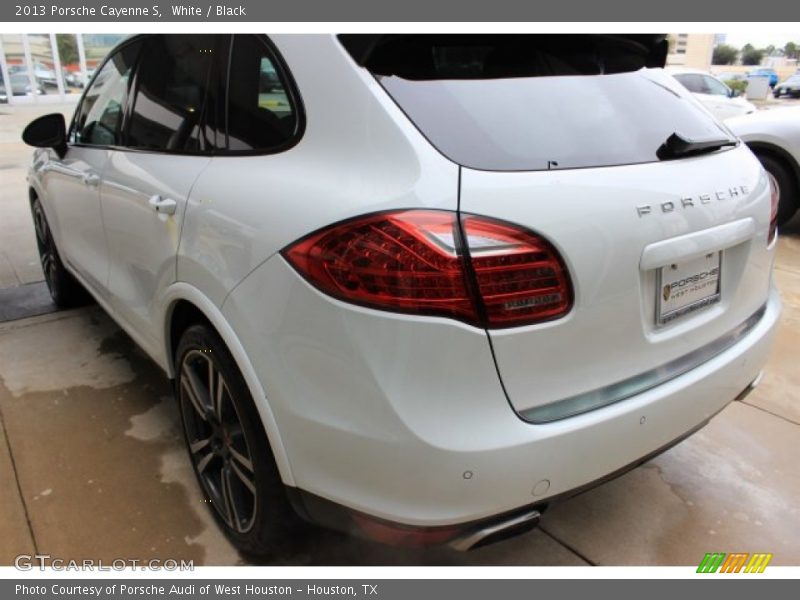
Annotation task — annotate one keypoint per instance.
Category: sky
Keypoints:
(762, 38)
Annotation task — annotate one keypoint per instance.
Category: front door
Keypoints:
(73, 183)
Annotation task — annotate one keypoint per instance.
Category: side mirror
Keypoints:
(48, 131)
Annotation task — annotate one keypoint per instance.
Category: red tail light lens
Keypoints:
(405, 262)
(775, 198)
(415, 262)
(520, 276)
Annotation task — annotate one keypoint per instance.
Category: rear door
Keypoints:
(667, 253)
(147, 183)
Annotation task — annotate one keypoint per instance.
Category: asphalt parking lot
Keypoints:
(92, 464)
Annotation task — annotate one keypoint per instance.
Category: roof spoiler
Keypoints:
(620, 52)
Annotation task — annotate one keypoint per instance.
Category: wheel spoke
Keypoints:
(241, 459)
(199, 445)
(202, 464)
(244, 478)
(194, 390)
(219, 390)
(229, 500)
(40, 225)
(51, 263)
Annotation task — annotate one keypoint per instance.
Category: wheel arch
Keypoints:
(778, 153)
(185, 305)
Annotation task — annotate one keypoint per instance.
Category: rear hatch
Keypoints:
(660, 217)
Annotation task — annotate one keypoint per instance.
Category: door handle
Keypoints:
(91, 179)
(164, 206)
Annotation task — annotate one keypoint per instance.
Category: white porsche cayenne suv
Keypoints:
(413, 287)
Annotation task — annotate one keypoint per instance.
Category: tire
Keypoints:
(787, 186)
(228, 448)
(65, 290)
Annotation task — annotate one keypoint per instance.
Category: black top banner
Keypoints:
(464, 11)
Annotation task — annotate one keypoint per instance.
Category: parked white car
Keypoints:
(774, 136)
(713, 94)
(426, 285)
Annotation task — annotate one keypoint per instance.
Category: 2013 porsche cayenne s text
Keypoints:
(413, 287)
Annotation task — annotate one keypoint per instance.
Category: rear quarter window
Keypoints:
(262, 112)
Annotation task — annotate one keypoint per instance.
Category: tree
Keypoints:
(67, 48)
(724, 54)
(751, 55)
(791, 50)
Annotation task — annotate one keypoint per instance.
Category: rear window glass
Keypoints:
(515, 103)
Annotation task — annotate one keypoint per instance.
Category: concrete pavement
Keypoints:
(92, 464)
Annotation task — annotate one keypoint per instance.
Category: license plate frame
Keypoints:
(686, 286)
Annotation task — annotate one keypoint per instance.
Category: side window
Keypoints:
(693, 83)
(99, 118)
(261, 112)
(716, 87)
(171, 92)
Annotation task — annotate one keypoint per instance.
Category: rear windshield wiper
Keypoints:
(678, 146)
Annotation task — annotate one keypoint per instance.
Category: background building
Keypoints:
(692, 50)
(49, 67)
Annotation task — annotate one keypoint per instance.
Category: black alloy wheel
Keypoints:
(229, 449)
(216, 441)
(65, 290)
(47, 248)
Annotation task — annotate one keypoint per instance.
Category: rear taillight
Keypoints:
(775, 199)
(521, 278)
(417, 262)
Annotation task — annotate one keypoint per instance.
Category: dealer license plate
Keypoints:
(687, 286)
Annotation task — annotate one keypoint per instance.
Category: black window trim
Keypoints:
(280, 66)
(292, 91)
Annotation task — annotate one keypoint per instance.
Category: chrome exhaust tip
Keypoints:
(496, 531)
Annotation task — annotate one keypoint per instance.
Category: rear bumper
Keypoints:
(404, 420)
(463, 536)
(568, 457)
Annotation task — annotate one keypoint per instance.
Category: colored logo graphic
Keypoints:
(736, 562)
